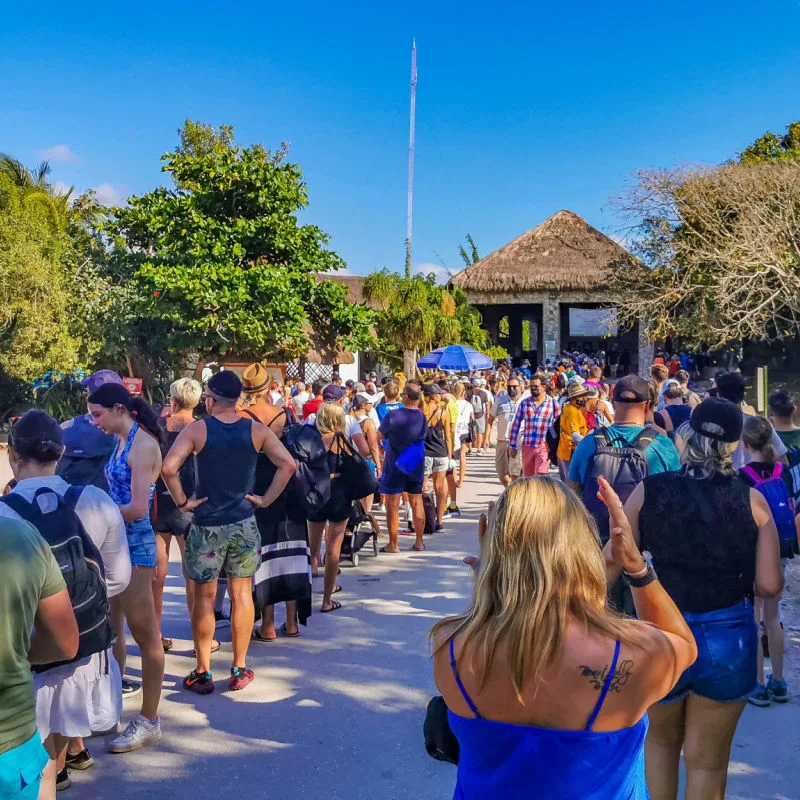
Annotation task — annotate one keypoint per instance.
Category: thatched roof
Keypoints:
(563, 253)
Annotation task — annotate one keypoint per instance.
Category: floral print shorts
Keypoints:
(236, 547)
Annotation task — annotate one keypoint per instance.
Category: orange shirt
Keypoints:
(571, 421)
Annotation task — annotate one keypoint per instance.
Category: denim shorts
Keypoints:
(21, 770)
(142, 543)
(727, 651)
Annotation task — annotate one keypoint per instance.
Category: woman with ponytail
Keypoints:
(131, 473)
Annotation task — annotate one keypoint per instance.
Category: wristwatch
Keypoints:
(640, 580)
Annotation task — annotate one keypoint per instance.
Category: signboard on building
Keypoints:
(594, 322)
(133, 385)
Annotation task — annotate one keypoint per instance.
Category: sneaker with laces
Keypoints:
(240, 677)
(80, 760)
(130, 688)
(199, 682)
(63, 781)
(778, 690)
(140, 731)
(760, 697)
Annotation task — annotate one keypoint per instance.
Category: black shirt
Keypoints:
(702, 536)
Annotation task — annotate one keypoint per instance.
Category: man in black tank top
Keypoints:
(224, 532)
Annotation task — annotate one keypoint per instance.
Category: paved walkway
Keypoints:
(337, 714)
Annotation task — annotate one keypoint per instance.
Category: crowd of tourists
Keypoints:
(625, 573)
(623, 608)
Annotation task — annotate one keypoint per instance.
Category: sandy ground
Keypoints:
(337, 713)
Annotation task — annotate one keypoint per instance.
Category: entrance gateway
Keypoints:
(547, 291)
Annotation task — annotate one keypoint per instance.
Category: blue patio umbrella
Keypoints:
(455, 357)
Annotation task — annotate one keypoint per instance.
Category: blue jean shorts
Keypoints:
(21, 770)
(727, 652)
(141, 543)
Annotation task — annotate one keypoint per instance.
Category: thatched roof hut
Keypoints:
(563, 253)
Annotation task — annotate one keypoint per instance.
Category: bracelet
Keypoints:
(636, 582)
(183, 505)
(640, 574)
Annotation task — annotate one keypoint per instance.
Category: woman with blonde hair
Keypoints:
(547, 687)
(169, 521)
(713, 542)
(332, 519)
(466, 414)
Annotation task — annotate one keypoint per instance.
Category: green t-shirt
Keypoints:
(28, 573)
(790, 438)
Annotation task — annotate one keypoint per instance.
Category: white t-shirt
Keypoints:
(504, 410)
(465, 413)
(101, 520)
(352, 426)
(299, 400)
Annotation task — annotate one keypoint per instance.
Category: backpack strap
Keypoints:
(17, 503)
(71, 497)
(777, 472)
(753, 475)
(644, 440)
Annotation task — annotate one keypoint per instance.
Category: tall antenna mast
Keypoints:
(410, 215)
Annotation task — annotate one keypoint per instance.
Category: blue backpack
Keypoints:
(780, 502)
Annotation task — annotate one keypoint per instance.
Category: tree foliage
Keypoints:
(219, 261)
(415, 314)
(774, 146)
(720, 250)
(36, 331)
(469, 254)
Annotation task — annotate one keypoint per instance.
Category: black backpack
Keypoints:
(623, 466)
(80, 563)
(87, 452)
(310, 486)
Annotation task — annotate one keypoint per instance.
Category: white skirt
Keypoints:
(74, 700)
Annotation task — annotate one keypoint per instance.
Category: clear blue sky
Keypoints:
(523, 108)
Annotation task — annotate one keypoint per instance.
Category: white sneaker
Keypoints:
(381, 508)
(139, 732)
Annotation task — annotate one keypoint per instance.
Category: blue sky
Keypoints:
(522, 109)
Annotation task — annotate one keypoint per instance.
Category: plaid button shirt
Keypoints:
(534, 422)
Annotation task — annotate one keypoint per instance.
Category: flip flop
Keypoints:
(167, 644)
(389, 552)
(287, 634)
(215, 645)
(336, 590)
(416, 549)
(335, 606)
(255, 636)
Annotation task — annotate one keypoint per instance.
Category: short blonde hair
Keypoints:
(330, 418)
(703, 456)
(186, 392)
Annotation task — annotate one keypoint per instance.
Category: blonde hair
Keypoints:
(704, 456)
(540, 567)
(757, 435)
(330, 418)
(459, 391)
(186, 392)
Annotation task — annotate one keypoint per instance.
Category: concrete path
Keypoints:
(337, 714)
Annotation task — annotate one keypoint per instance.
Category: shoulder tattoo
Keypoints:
(597, 677)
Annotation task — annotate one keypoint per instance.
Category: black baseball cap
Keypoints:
(718, 419)
(430, 389)
(225, 384)
(333, 392)
(632, 389)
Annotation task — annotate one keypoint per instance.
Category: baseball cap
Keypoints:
(97, 379)
(632, 389)
(225, 384)
(333, 392)
(431, 389)
(361, 399)
(718, 419)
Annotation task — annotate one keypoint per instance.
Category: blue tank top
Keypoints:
(118, 475)
(226, 472)
(503, 760)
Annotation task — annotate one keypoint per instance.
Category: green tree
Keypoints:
(774, 146)
(219, 261)
(36, 331)
(37, 188)
(469, 254)
(416, 316)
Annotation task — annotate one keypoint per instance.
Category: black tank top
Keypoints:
(702, 536)
(165, 503)
(435, 446)
(226, 472)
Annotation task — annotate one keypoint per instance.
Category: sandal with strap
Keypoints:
(335, 606)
